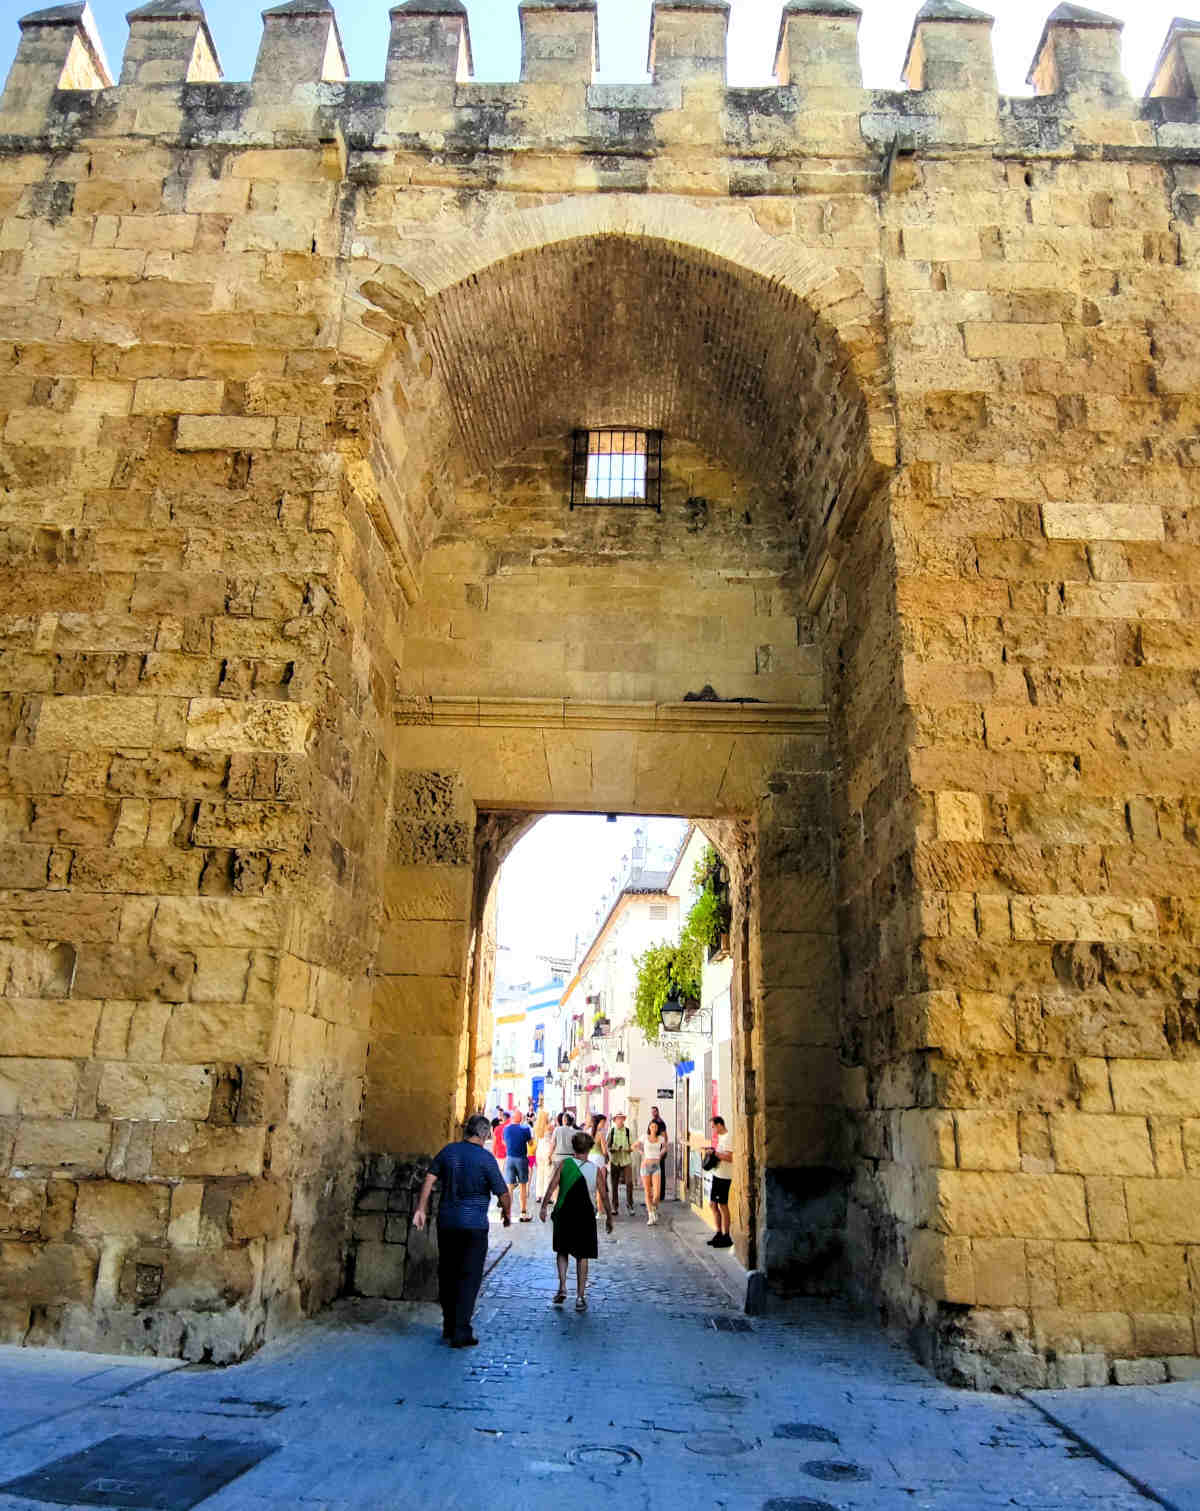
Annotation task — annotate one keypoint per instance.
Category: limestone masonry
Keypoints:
(300, 634)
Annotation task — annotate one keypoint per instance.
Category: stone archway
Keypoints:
(519, 690)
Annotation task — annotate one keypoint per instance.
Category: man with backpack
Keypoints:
(620, 1162)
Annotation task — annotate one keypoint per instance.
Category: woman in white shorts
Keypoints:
(652, 1147)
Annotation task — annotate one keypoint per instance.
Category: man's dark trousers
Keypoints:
(461, 1255)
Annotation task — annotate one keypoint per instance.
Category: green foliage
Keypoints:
(665, 965)
(658, 969)
(709, 916)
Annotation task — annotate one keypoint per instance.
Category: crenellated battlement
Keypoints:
(170, 86)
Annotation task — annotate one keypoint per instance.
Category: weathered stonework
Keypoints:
(300, 634)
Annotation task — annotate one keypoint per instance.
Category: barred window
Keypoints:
(617, 467)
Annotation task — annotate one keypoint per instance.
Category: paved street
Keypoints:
(660, 1391)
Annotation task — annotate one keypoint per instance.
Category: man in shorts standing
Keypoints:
(517, 1138)
(722, 1146)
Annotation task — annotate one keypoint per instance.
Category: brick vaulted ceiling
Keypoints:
(616, 331)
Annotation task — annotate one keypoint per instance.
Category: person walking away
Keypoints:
(576, 1184)
(543, 1131)
(517, 1139)
(722, 1146)
(598, 1154)
(560, 1148)
(657, 1116)
(498, 1126)
(620, 1163)
(652, 1148)
(469, 1178)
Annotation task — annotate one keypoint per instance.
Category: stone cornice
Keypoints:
(578, 713)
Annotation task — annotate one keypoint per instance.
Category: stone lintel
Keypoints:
(575, 713)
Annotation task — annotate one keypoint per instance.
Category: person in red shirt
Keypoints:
(498, 1126)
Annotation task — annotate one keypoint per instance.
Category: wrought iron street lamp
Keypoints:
(670, 1014)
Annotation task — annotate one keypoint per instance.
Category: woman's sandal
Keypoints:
(581, 1303)
(559, 1297)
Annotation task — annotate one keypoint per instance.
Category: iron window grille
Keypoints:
(617, 469)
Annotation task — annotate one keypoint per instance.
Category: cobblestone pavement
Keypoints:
(660, 1390)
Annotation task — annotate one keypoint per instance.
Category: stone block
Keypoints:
(959, 816)
(1156, 1086)
(1164, 1211)
(121, 1209)
(218, 724)
(212, 432)
(428, 892)
(1086, 1332)
(217, 923)
(1121, 1277)
(1190, 1131)
(195, 1149)
(208, 1280)
(37, 1088)
(926, 1138)
(1102, 522)
(47, 1274)
(1139, 1371)
(1014, 342)
(183, 1229)
(197, 396)
(379, 1269)
(1108, 1215)
(1106, 919)
(941, 1267)
(22, 1203)
(987, 1141)
(984, 1204)
(426, 948)
(155, 1092)
(1088, 1144)
(200, 1032)
(1000, 1272)
(1156, 1333)
(90, 723)
(414, 1061)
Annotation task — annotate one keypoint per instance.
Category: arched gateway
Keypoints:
(308, 613)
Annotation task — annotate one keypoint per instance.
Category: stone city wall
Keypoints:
(291, 614)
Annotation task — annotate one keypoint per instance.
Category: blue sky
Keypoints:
(624, 26)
